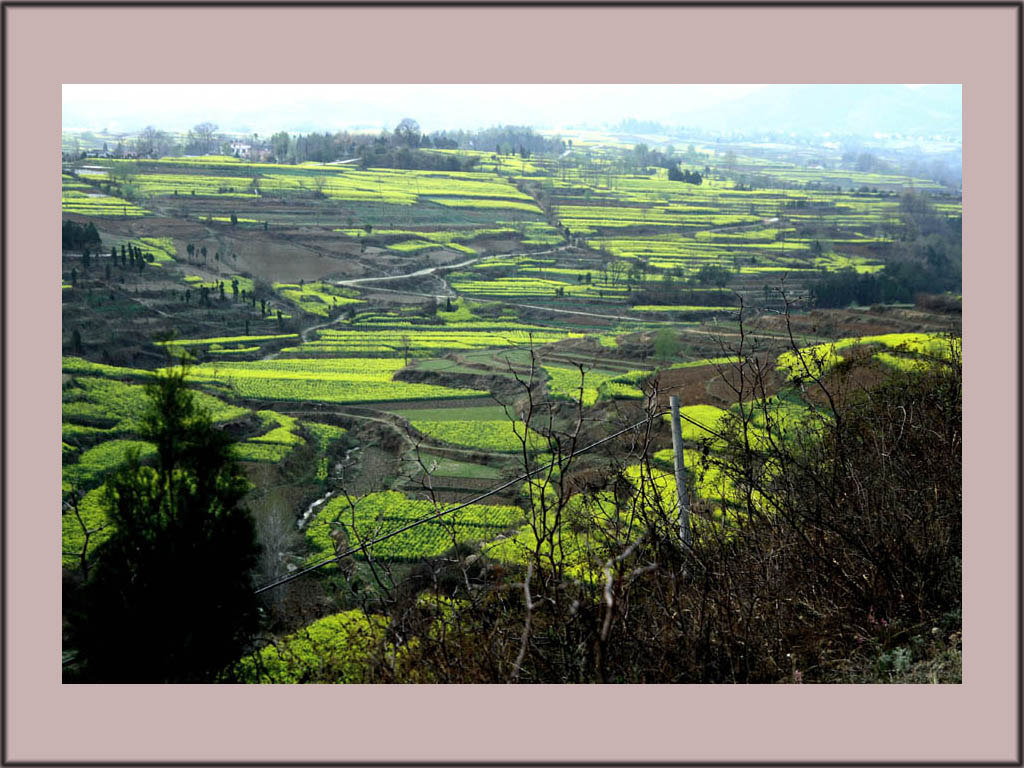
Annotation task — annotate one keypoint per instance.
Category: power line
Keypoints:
(456, 508)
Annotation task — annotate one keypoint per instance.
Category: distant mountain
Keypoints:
(919, 110)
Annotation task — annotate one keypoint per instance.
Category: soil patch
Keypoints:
(710, 385)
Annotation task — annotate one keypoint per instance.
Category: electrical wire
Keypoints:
(456, 508)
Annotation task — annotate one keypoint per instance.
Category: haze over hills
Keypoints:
(246, 108)
(863, 110)
(926, 110)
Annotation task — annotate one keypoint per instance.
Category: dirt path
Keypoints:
(584, 313)
(417, 273)
(441, 267)
(363, 281)
(303, 337)
(305, 333)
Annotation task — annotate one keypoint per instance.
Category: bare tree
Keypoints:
(202, 139)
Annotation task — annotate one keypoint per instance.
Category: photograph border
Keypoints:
(38, 58)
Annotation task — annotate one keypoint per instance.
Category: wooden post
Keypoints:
(677, 450)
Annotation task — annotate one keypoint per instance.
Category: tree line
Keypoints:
(383, 149)
(924, 257)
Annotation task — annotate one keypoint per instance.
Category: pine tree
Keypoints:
(170, 598)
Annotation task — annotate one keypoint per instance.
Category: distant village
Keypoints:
(246, 150)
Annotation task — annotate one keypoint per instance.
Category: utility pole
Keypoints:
(677, 450)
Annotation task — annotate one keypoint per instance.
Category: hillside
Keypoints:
(444, 374)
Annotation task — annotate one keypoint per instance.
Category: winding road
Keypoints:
(417, 273)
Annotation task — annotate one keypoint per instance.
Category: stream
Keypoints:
(304, 520)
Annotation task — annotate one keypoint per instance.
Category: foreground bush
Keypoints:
(840, 563)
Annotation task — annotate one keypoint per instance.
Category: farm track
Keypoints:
(305, 333)
(418, 273)
(584, 313)
(581, 313)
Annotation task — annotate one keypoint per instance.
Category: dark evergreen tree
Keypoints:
(170, 599)
(76, 236)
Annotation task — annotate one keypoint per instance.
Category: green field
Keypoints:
(500, 435)
(364, 331)
(321, 380)
(378, 514)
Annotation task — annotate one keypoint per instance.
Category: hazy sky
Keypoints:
(267, 108)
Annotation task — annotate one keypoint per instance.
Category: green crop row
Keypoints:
(336, 648)
(269, 453)
(402, 187)
(323, 435)
(499, 436)
(316, 298)
(486, 204)
(95, 463)
(417, 341)
(281, 429)
(818, 359)
(100, 205)
(529, 286)
(162, 248)
(566, 383)
(339, 524)
(308, 380)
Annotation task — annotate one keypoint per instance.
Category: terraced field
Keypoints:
(403, 303)
(94, 204)
(341, 524)
(316, 299)
(422, 341)
(334, 380)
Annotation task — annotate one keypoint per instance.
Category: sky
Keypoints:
(268, 108)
